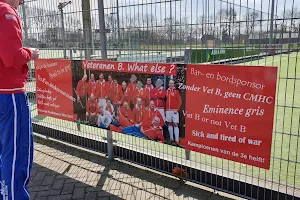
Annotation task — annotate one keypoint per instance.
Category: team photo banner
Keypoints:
(220, 110)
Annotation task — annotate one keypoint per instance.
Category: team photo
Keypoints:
(141, 105)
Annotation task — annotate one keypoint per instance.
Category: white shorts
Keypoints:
(172, 116)
(162, 112)
(102, 102)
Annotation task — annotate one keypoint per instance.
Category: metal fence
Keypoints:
(156, 29)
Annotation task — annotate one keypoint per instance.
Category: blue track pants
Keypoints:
(16, 146)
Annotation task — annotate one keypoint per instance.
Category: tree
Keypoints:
(227, 23)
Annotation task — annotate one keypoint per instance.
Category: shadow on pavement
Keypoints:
(62, 172)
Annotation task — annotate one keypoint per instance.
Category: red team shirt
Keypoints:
(173, 101)
(92, 106)
(92, 85)
(139, 94)
(147, 90)
(158, 96)
(138, 115)
(109, 85)
(125, 96)
(115, 93)
(101, 89)
(127, 113)
(82, 88)
(132, 90)
(149, 116)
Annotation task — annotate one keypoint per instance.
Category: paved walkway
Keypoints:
(61, 172)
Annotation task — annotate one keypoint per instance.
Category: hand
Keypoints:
(35, 53)
(78, 99)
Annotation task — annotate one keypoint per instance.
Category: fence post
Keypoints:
(110, 148)
(102, 30)
(87, 28)
(272, 23)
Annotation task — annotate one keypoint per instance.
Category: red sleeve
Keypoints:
(107, 86)
(78, 88)
(120, 96)
(153, 94)
(133, 115)
(97, 92)
(179, 101)
(12, 52)
(162, 95)
(89, 88)
(88, 106)
(130, 115)
(146, 119)
(161, 120)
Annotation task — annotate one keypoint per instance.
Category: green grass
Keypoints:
(285, 166)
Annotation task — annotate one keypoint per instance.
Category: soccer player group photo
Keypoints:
(141, 105)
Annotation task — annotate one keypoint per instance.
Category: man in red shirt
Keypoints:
(153, 123)
(92, 110)
(139, 93)
(81, 92)
(173, 104)
(125, 93)
(92, 85)
(101, 91)
(109, 85)
(138, 112)
(16, 138)
(132, 87)
(116, 95)
(158, 95)
(147, 89)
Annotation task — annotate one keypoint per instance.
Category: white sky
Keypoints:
(190, 9)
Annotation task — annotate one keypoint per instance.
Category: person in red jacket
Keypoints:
(139, 93)
(92, 110)
(153, 123)
(158, 95)
(147, 89)
(138, 112)
(101, 92)
(16, 138)
(173, 104)
(92, 85)
(125, 93)
(132, 87)
(116, 95)
(81, 92)
(109, 85)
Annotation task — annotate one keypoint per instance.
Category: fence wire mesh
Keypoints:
(152, 30)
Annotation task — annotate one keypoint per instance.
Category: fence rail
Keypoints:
(175, 29)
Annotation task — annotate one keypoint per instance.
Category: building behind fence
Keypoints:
(147, 30)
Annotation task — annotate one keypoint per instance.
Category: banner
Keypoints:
(138, 99)
(219, 110)
(229, 112)
(54, 88)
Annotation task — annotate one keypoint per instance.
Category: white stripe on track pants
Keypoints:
(16, 146)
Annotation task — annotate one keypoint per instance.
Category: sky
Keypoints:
(191, 10)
